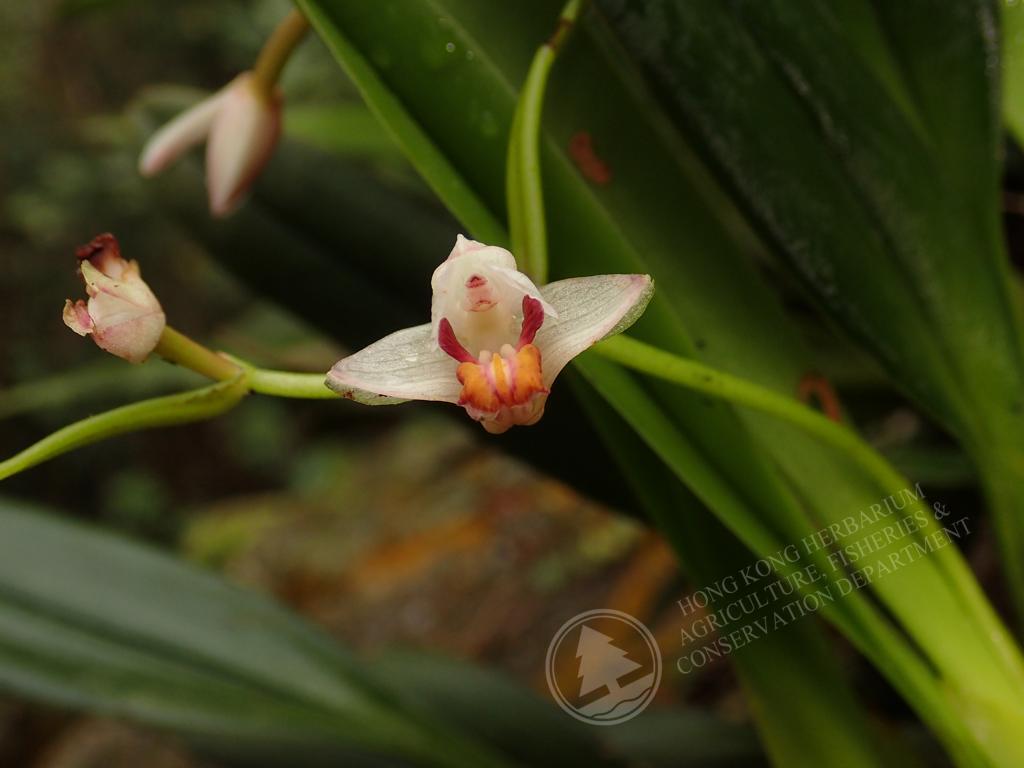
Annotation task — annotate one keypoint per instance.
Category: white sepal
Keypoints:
(589, 309)
(242, 138)
(406, 365)
(182, 133)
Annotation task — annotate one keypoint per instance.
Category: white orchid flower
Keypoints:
(495, 342)
(241, 125)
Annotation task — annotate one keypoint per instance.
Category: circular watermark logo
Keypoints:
(603, 667)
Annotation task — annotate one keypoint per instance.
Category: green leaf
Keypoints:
(91, 620)
(425, 156)
(652, 210)
(877, 182)
(1013, 67)
(915, 679)
(687, 739)
(460, 691)
(485, 704)
(788, 672)
(343, 129)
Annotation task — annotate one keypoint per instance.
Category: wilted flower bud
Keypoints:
(122, 314)
(241, 124)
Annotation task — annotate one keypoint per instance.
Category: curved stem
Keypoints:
(523, 178)
(278, 48)
(196, 405)
(235, 379)
(175, 347)
(693, 375)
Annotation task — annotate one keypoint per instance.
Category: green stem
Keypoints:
(175, 347)
(277, 50)
(523, 178)
(235, 378)
(196, 405)
(307, 386)
(693, 375)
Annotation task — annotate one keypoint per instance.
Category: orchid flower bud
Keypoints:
(495, 342)
(241, 124)
(122, 314)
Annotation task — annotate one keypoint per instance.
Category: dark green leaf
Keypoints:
(90, 620)
(873, 169)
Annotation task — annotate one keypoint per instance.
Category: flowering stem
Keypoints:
(183, 408)
(523, 177)
(177, 348)
(278, 48)
(234, 380)
(307, 386)
(693, 375)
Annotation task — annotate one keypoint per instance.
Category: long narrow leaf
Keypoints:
(87, 619)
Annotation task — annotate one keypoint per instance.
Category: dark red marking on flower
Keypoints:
(814, 386)
(476, 281)
(533, 319)
(450, 344)
(581, 150)
(101, 244)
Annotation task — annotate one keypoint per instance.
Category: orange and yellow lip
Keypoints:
(505, 387)
(510, 378)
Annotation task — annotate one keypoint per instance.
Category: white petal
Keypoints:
(506, 285)
(589, 309)
(179, 135)
(242, 139)
(406, 365)
(516, 285)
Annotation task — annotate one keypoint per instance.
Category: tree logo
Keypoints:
(603, 667)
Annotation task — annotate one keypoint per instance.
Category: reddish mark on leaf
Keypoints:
(817, 387)
(581, 150)
(558, 36)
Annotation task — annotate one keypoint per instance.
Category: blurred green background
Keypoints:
(392, 527)
(399, 527)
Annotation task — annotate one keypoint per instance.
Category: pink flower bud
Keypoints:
(122, 314)
(241, 124)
